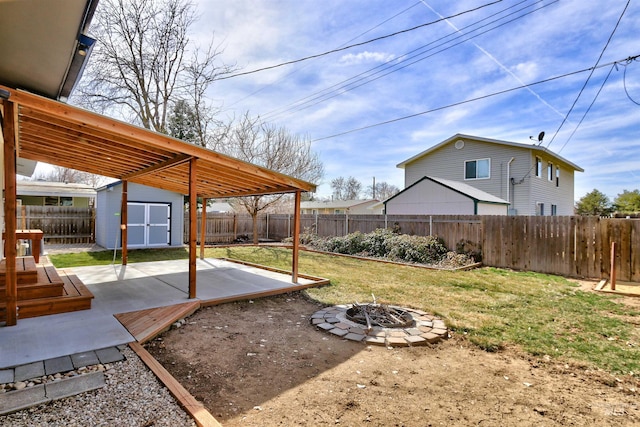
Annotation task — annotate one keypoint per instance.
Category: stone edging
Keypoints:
(40, 382)
(426, 328)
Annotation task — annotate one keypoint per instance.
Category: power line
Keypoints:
(470, 100)
(357, 44)
(395, 65)
(590, 74)
(588, 109)
(344, 44)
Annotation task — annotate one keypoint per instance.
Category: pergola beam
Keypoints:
(178, 160)
(193, 226)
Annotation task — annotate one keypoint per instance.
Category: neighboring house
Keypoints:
(437, 196)
(339, 207)
(41, 193)
(218, 207)
(155, 217)
(532, 179)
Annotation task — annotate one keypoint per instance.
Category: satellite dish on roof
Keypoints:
(540, 137)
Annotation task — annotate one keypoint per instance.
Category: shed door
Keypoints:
(148, 224)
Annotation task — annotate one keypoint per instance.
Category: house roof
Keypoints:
(335, 204)
(42, 45)
(53, 132)
(533, 147)
(459, 187)
(54, 189)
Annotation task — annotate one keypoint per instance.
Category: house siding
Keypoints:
(527, 190)
(491, 209)
(430, 198)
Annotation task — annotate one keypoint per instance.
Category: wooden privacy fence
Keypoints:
(60, 224)
(571, 246)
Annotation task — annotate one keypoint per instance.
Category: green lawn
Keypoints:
(538, 313)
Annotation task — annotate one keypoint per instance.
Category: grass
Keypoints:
(538, 313)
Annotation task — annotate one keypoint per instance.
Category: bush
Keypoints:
(383, 243)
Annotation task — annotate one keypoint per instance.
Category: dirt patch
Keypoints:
(261, 363)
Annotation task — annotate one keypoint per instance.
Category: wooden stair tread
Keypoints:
(146, 324)
(75, 296)
(26, 270)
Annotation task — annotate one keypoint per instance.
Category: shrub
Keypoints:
(382, 243)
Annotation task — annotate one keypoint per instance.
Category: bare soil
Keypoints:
(261, 363)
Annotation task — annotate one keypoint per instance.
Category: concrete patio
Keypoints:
(119, 289)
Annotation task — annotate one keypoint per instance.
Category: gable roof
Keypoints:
(533, 147)
(459, 187)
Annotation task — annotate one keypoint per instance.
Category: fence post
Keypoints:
(267, 226)
(316, 223)
(346, 224)
(612, 275)
(288, 225)
(430, 225)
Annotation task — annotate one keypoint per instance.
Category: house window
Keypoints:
(550, 171)
(66, 201)
(476, 169)
(557, 176)
(338, 211)
(538, 167)
(554, 210)
(540, 209)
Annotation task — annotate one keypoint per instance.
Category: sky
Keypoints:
(477, 54)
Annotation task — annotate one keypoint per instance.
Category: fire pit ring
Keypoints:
(419, 328)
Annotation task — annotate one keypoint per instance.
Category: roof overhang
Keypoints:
(43, 47)
(56, 133)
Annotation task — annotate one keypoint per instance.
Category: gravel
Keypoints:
(133, 396)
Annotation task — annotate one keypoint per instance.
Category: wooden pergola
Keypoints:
(40, 129)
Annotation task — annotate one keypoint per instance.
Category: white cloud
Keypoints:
(365, 57)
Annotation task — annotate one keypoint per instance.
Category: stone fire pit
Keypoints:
(412, 328)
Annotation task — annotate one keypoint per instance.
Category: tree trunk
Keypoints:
(254, 217)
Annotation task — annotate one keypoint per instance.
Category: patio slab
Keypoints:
(120, 289)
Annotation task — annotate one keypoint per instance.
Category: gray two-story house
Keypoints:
(527, 179)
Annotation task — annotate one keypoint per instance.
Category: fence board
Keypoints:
(570, 246)
(59, 224)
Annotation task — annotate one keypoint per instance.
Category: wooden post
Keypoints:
(612, 275)
(203, 226)
(124, 221)
(296, 237)
(193, 226)
(10, 121)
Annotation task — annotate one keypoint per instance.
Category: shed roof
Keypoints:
(53, 132)
(459, 187)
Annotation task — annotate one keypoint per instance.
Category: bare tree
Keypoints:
(60, 174)
(274, 148)
(144, 63)
(346, 188)
(382, 191)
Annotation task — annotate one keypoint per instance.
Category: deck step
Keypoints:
(26, 270)
(75, 297)
(47, 284)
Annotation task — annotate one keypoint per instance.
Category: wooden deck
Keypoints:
(146, 324)
(43, 290)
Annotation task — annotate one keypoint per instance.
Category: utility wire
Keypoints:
(588, 109)
(631, 58)
(342, 45)
(357, 44)
(396, 65)
(590, 74)
(624, 83)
